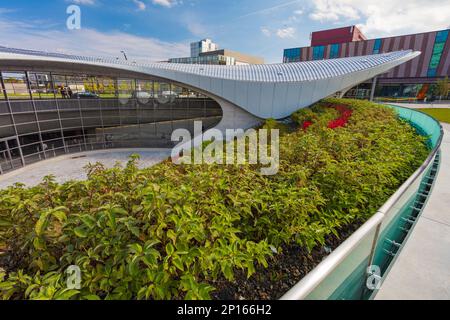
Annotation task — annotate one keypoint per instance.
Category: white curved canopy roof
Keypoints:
(266, 91)
(297, 71)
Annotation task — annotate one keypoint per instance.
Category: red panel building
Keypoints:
(415, 79)
(339, 35)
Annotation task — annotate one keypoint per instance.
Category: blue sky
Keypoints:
(158, 29)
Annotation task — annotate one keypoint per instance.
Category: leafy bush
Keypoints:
(271, 124)
(166, 232)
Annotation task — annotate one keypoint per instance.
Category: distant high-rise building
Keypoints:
(207, 52)
(202, 46)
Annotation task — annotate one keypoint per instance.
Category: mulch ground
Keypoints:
(285, 271)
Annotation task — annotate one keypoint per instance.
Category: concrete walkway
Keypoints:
(71, 167)
(422, 271)
(423, 105)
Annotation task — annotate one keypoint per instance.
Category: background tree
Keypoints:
(443, 88)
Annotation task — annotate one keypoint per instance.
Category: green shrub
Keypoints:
(165, 232)
(271, 124)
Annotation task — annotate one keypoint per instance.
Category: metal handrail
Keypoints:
(303, 288)
(313, 279)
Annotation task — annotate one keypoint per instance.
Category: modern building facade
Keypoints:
(217, 59)
(202, 46)
(414, 80)
(207, 52)
(54, 104)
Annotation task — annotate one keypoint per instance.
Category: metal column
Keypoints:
(374, 85)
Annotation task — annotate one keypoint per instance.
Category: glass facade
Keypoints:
(438, 48)
(207, 59)
(377, 46)
(414, 81)
(334, 51)
(45, 114)
(292, 55)
(318, 52)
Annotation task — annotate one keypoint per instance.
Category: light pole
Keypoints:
(125, 55)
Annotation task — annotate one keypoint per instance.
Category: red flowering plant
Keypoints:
(345, 114)
(306, 125)
(307, 117)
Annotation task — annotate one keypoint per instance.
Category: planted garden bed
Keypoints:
(208, 231)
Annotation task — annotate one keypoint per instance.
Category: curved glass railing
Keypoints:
(356, 268)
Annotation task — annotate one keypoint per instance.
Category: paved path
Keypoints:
(423, 105)
(70, 167)
(422, 270)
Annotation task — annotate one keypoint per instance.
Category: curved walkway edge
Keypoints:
(422, 270)
(71, 166)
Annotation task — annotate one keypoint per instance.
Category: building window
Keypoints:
(41, 86)
(16, 86)
(2, 92)
(442, 36)
(125, 87)
(377, 46)
(318, 53)
(106, 87)
(438, 48)
(334, 51)
(59, 82)
(292, 55)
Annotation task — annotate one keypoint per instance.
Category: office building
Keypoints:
(202, 46)
(207, 52)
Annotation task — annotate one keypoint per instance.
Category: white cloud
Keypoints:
(140, 5)
(84, 2)
(288, 32)
(193, 23)
(165, 3)
(88, 42)
(271, 9)
(385, 17)
(265, 31)
(334, 10)
(4, 10)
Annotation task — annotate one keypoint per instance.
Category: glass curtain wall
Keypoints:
(45, 114)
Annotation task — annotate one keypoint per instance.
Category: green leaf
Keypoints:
(89, 221)
(41, 224)
(39, 243)
(80, 232)
(119, 211)
(60, 215)
(250, 269)
(170, 249)
(178, 263)
(227, 271)
(133, 229)
(172, 236)
(4, 223)
(133, 267)
(136, 248)
(66, 294)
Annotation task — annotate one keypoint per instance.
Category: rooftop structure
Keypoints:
(338, 35)
(207, 52)
(202, 46)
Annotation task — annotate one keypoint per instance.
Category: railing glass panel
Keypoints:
(344, 274)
